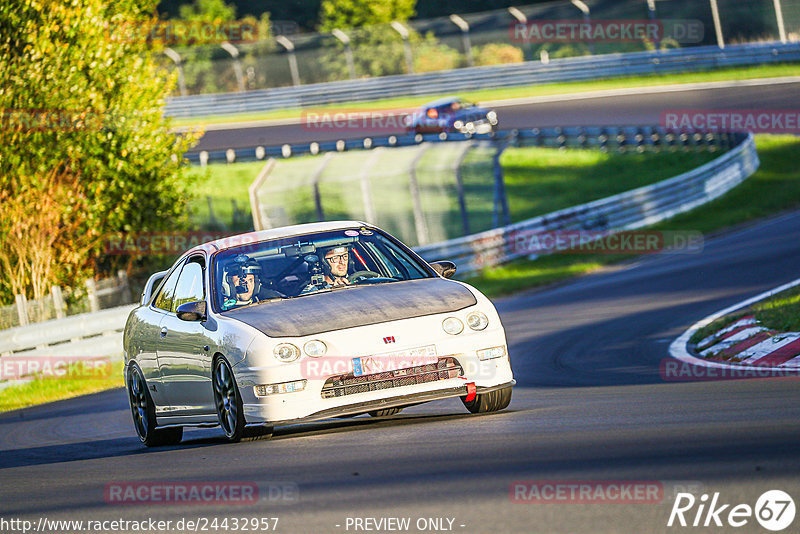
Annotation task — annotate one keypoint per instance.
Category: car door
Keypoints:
(182, 358)
(151, 319)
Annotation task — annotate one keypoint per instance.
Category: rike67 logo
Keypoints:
(774, 510)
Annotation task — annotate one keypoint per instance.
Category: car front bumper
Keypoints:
(382, 390)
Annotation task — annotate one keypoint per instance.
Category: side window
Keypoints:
(164, 299)
(190, 284)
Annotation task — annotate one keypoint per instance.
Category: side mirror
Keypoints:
(192, 311)
(445, 269)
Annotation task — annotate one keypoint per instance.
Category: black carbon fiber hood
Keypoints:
(355, 306)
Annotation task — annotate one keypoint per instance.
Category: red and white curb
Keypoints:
(745, 339)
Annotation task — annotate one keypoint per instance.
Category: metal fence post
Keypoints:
(237, 65)
(501, 215)
(348, 51)
(462, 204)
(463, 25)
(22, 309)
(420, 224)
(58, 302)
(176, 58)
(91, 289)
(404, 33)
(366, 189)
(260, 220)
(717, 24)
(315, 184)
(124, 287)
(289, 46)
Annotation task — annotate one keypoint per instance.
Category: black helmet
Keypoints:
(241, 266)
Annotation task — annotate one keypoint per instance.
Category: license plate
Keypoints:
(393, 361)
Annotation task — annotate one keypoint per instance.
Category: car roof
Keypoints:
(442, 102)
(274, 233)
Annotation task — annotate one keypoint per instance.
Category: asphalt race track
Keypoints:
(591, 405)
(639, 109)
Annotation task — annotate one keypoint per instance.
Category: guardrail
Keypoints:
(88, 334)
(602, 137)
(626, 211)
(98, 334)
(472, 78)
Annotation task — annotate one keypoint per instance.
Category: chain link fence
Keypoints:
(476, 39)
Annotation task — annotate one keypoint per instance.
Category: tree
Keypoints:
(208, 10)
(85, 151)
(344, 14)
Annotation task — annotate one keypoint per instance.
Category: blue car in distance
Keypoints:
(451, 114)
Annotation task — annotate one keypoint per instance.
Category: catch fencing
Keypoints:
(490, 77)
(426, 190)
(639, 208)
(282, 56)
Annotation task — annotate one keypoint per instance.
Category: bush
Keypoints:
(86, 151)
(431, 55)
(497, 54)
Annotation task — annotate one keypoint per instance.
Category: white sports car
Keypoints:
(305, 323)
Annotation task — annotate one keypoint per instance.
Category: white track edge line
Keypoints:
(677, 348)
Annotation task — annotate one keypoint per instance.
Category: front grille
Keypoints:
(349, 384)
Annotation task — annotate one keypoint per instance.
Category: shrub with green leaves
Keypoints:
(82, 137)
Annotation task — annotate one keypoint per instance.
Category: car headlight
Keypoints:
(315, 348)
(452, 326)
(286, 352)
(492, 116)
(458, 124)
(477, 321)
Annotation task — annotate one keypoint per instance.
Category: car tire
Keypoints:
(385, 412)
(230, 410)
(489, 402)
(143, 411)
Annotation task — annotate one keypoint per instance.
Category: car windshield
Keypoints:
(303, 265)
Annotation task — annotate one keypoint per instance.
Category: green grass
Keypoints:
(738, 73)
(227, 187)
(51, 389)
(538, 181)
(544, 180)
(780, 313)
(774, 188)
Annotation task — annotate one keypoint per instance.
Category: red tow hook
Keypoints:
(472, 392)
